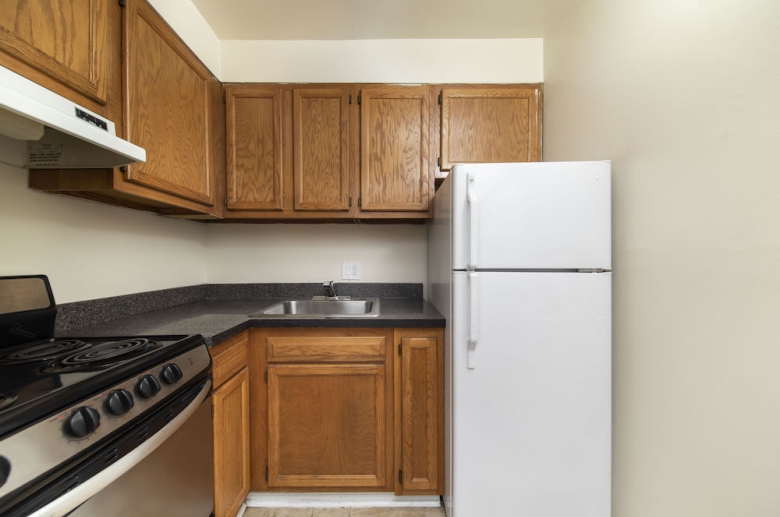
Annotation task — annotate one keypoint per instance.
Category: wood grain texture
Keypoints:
(254, 147)
(394, 148)
(321, 147)
(326, 425)
(258, 413)
(68, 40)
(335, 349)
(229, 357)
(168, 103)
(491, 125)
(231, 444)
(419, 411)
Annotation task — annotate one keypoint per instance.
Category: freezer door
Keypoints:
(531, 418)
(549, 215)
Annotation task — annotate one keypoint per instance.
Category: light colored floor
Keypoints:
(344, 512)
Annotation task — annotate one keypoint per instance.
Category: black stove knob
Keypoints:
(148, 387)
(118, 402)
(171, 374)
(82, 422)
(5, 470)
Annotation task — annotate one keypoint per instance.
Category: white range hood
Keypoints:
(59, 133)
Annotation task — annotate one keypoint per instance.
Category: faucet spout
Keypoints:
(330, 289)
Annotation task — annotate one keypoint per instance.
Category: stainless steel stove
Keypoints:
(77, 414)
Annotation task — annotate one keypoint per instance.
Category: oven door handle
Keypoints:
(72, 499)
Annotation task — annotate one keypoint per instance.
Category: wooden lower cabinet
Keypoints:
(347, 410)
(231, 426)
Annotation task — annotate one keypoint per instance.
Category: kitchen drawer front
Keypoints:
(229, 358)
(367, 348)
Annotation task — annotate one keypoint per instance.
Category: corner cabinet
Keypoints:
(230, 400)
(491, 124)
(328, 152)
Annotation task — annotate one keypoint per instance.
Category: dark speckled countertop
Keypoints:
(220, 319)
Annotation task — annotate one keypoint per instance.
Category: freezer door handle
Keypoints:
(471, 196)
(473, 321)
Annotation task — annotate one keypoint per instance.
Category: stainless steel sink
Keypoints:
(363, 308)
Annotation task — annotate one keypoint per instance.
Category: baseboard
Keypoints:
(339, 500)
(241, 510)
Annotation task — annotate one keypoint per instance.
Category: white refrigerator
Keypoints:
(520, 265)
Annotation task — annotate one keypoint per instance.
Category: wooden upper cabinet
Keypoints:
(254, 147)
(394, 148)
(168, 107)
(491, 124)
(66, 40)
(321, 149)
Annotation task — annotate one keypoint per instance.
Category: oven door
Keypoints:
(169, 472)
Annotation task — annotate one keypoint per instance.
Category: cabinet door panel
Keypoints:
(394, 148)
(419, 392)
(321, 141)
(326, 426)
(65, 39)
(168, 108)
(490, 125)
(254, 148)
(231, 444)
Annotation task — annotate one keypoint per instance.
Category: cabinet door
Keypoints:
(168, 107)
(394, 148)
(419, 412)
(321, 147)
(67, 40)
(491, 125)
(326, 426)
(254, 147)
(231, 444)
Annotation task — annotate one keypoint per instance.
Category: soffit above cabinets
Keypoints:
(380, 19)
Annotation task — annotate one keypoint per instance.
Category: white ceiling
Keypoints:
(380, 19)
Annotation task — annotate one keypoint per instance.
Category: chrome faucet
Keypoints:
(330, 290)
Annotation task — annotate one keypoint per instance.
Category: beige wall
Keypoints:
(90, 250)
(684, 97)
(384, 61)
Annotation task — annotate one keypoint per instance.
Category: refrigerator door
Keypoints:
(547, 215)
(531, 418)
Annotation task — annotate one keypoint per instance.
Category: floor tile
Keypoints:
(368, 512)
(259, 512)
(406, 512)
(294, 512)
(331, 512)
(435, 512)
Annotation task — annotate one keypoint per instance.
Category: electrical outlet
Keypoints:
(350, 270)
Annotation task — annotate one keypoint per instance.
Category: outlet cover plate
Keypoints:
(350, 270)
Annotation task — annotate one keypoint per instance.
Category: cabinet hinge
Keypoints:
(360, 201)
(439, 97)
(225, 200)
(438, 161)
(358, 98)
(350, 98)
(400, 350)
(265, 376)
(400, 477)
(123, 169)
(350, 201)
(266, 473)
(121, 3)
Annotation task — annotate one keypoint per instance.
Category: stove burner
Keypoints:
(43, 352)
(103, 354)
(6, 400)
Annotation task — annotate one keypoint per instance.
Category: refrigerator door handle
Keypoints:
(471, 196)
(473, 321)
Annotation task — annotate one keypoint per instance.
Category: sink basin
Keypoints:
(365, 308)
